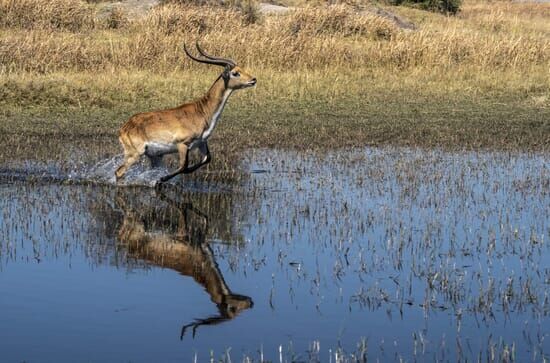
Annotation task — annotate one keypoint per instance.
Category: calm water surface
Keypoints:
(383, 254)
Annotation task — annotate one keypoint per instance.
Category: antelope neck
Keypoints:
(214, 102)
(212, 280)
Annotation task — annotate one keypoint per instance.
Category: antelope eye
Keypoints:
(236, 74)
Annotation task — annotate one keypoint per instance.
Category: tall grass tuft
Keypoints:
(337, 20)
(181, 20)
(72, 15)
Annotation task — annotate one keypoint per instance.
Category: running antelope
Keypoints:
(146, 237)
(181, 129)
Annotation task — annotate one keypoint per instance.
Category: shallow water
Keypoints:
(377, 253)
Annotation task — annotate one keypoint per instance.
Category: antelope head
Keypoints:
(234, 76)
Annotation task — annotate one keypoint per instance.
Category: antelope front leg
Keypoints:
(203, 149)
(183, 151)
(205, 152)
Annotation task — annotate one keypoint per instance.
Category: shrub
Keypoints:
(443, 6)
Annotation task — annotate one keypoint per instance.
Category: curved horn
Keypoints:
(207, 61)
(206, 55)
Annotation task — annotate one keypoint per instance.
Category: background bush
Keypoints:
(443, 6)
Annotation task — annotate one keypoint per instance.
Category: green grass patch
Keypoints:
(287, 110)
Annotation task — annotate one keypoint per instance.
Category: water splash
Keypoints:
(140, 174)
(103, 172)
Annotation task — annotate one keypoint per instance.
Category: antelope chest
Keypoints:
(206, 133)
(215, 117)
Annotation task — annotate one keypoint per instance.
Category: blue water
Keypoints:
(419, 255)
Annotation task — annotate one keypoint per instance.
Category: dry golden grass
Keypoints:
(326, 63)
(508, 12)
(50, 14)
(334, 36)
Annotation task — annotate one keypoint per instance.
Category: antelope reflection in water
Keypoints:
(184, 250)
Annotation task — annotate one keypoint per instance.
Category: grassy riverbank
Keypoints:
(328, 77)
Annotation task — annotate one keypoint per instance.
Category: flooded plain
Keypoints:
(369, 254)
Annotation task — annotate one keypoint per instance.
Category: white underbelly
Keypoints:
(157, 149)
